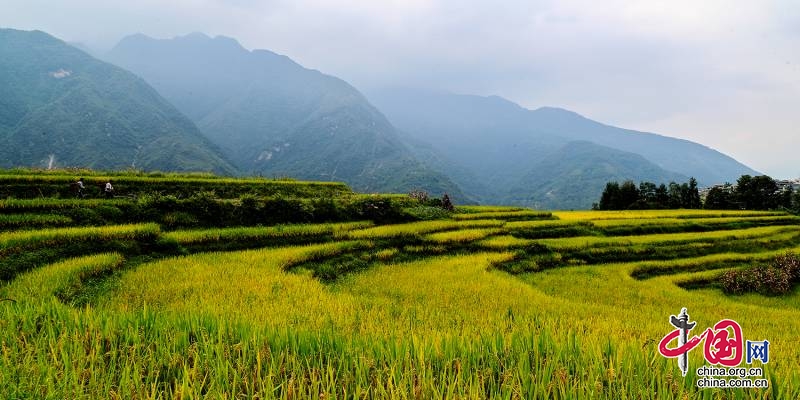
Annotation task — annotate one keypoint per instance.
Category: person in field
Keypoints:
(109, 190)
(81, 188)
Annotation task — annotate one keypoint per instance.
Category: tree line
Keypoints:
(749, 193)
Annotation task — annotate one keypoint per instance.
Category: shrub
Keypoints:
(790, 263)
(773, 279)
(419, 195)
(179, 219)
(426, 213)
(446, 203)
(378, 209)
(278, 210)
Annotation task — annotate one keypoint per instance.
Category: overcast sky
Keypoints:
(724, 73)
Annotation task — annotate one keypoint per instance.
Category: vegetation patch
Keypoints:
(64, 280)
(252, 237)
(24, 250)
(525, 215)
(777, 277)
(19, 221)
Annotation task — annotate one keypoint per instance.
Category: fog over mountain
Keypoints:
(504, 146)
(274, 117)
(722, 73)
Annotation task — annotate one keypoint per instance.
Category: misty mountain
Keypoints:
(572, 176)
(61, 107)
(503, 145)
(271, 116)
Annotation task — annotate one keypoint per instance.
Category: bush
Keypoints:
(790, 263)
(378, 209)
(84, 216)
(179, 219)
(426, 213)
(419, 195)
(278, 210)
(446, 203)
(773, 279)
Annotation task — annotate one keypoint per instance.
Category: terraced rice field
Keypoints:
(493, 303)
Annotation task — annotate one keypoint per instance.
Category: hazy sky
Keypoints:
(724, 73)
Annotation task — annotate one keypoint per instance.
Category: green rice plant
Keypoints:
(419, 228)
(206, 282)
(235, 324)
(403, 318)
(649, 214)
(201, 357)
(595, 241)
(504, 242)
(543, 224)
(47, 237)
(62, 280)
(282, 232)
(487, 209)
(180, 185)
(776, 219)
(17, 221)
(504, 215)
(649, 269)
(9, 206)
(461, 235)
(551, 229)
(620, 227)
(24, 250)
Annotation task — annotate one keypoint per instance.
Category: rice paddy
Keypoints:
(494, 302)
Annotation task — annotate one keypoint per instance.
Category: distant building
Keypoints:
(794, 184)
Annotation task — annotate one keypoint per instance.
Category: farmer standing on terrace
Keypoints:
(81, 187)
(109, 190)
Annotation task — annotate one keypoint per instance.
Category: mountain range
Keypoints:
(539, 157)
(201, 103)
(61, 107)
(273, 117)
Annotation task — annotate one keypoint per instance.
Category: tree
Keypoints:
(720, 198)
(796, 202)
(693, 195)
(785, 198)
(628, 195)
(609, 200)
(647, 192)
(662, 196)
(757, 193)
(674, 196)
